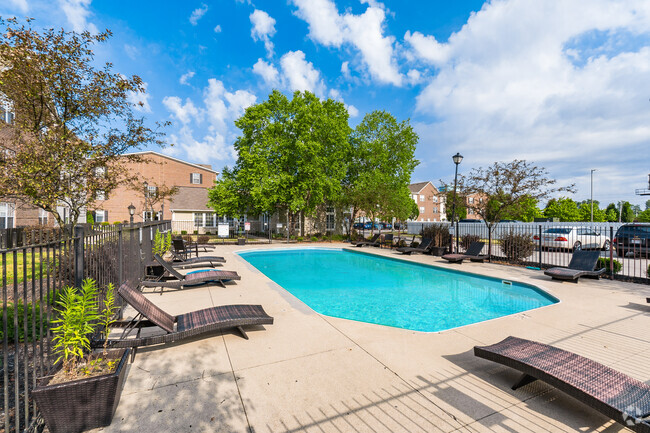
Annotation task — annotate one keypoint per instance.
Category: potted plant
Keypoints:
(84, 388)
(440, 235)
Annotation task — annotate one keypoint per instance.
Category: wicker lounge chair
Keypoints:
(424, 247)
(473, 253)
(582, 264)
(191, 279)
(183, 326)
(608, 391)
(374, 241)
(183, 263)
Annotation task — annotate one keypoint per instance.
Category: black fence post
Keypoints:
(539, 245)
(120, 258)
(489, 245)
(457, 236)
(611, 252)
(78, 255)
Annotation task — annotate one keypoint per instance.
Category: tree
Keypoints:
(627, 214)
(612, 213)
(291, 157)
(564, 208)
(381, 163)
(73, 121)
(644, 216)
(505, 187)
(647, 205)
(461, 200)
(584, 211)
(527, 211)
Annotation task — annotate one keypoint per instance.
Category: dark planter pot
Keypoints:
(438, 251)
(241, 241)
(83, 404)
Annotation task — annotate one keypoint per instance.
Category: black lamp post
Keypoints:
(457, 159)
(131, 212)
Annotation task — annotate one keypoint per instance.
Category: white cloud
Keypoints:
(20, 4)
(185, 113)
(263, 29)
(198, 13)
(185, 77)
(543, 81)
(414, 76)
(217, 29)
(219, 114)
(299, 74)
(140, 100)
(352, 111)
(365, 32)
(131, 51)
(77, 14)
(345, 69)
(267, 71)
(211, 147)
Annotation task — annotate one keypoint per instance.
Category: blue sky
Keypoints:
(562, 83)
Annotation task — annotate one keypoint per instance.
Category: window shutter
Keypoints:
(106, 215)
(201, 178)
(191, 179)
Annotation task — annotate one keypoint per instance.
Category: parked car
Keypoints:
(387, 226)
(469, 220)
(633, 238)
(573, 238)
(358, 226)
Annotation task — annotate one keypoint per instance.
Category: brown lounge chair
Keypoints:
(183, 263)
(183, 326)
(191, 279)
(582, 264)
(186, 249)
(620, 397)
(424, 247)
(373, 242)
(387, 241)
(472, 253)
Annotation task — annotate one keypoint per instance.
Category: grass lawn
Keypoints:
(23, 262)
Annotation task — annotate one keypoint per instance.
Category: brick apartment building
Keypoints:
(188, 204)
(430, 201)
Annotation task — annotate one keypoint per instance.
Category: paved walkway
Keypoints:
(312, 373)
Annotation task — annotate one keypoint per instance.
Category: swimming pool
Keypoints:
(374, 289)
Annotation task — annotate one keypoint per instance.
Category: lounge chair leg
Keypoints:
(242, 332)
(133, 350)
(525, 379)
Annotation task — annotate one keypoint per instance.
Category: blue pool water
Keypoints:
(391, 292)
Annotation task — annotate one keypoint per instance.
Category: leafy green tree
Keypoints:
(381, 163)
(612, 213)
(504, 187)
(563, 208)
(292, 157)
(527, 211)
(627, 214)
(461, 203)
(584, 211)
(73, 120)
(647, 205)
(644, 216)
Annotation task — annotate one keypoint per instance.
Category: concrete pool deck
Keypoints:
(314, 373)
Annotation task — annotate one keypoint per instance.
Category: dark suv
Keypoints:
(633, 238)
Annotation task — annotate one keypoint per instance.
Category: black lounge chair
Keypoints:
(472, 253)
(374, 242)
(183, 326)
(604, 389)
(186, 249)
(183, 263)
(582, 264)
(387, 241)
(424, 247)
(191, 279)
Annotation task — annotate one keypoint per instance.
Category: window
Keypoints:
(435, 199)
(101, 216)
(435, 209)
(421, 209)
(198, 219)
(42, 217)
(209, 219)
(7, 212)
(100, 195)
(329, 219)
(415, 197)
(421, 197)
(480, 200)
(196, 178)
(6, 115)
(470, 200)
(470, 211)
(152, 191)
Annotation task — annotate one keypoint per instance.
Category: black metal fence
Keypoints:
(549, 244)
(36, 265)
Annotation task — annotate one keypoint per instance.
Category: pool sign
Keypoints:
(223, 230)
(278, 225)
(247, 227)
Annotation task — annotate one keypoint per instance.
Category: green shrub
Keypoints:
(35, 315)
(203, 239)
(517, 246)
(467, 240)
(416, 244)
(337, 238)
(438, 232)
(603, 262)
(89, 218)
(162, 242)
(196, 232)
(117, 223)
(106, 223)
(299, 239)
(314, 238)
(183, 232)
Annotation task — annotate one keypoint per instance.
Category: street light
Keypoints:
(457, 160)
(146, 191)
(131, 209)
(592, 194)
